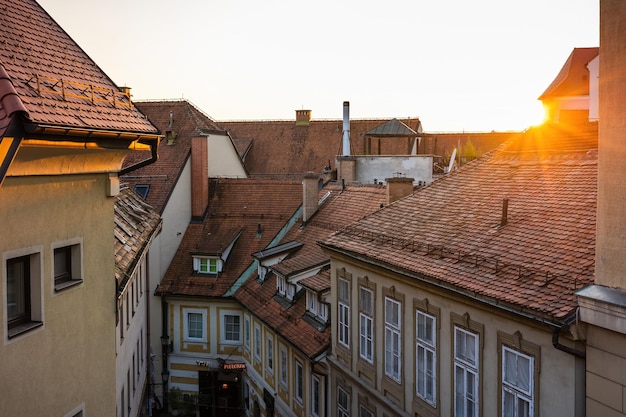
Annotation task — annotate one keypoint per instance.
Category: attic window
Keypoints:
(142, 190)
(317, 308)
(207, 265)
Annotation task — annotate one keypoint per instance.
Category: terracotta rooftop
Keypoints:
(280, 147)
(57, 82)
(451, 232)
(185, 121)
(135, 224)
(568, 80)
(339, 208)
(235, 204)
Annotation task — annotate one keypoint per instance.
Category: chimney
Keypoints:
(199, 177)
(398, 187)
(505, 212)
(303, 117)
(346, 128)
(310, 191)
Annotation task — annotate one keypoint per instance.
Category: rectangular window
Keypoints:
(316, 392)
(343, 323)
(343, 403)
(311, 303)
(194, 325)
(465, 373)
(23, 299)
(366, 325)
(299, 381)
(517, 384)
(232, 328)
(364, 412)
(392, 339)
(426, 357)
(67, 266)
(283, 367)
(205, 265)
(257, 343)
(246, 332)
(269, 353)
(280, 285)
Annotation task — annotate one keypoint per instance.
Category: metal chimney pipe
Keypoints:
(346, 128)
(505, 212)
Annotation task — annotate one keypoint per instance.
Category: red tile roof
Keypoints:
(240, 204)
(136, 223)
(281, 147)
(57, 82)
(340, 207)
(187, 121)
(450, 232)
(573, 79)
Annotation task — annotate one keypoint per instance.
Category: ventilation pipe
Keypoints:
(346, 128)
(505, 212)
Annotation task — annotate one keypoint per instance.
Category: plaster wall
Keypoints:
(560, 375)
(68, 363)
(611, 221)
(224, 160)
(370, 168)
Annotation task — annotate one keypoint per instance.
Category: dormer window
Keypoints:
(281, 284)
(206, 265)
(291, 291)
(315, 307)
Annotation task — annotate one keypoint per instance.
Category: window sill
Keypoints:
(23, 328)
(67, 284)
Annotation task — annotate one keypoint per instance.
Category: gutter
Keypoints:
(154, 155)
(555, 342)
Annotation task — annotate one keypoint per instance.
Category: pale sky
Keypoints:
(458, 65)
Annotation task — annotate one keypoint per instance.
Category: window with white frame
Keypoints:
(343, 403)
(246, 332)
(343, 307)
(67, 264)
(323, 312)
(206, 265)
(231, 327)
(426, 357)
(194, 325)
(366, 324)
(517, 383)
(311, 302)
(393, 339)
(281, 285)
(269, 354)
(257, 343)
(291, 291)
(284, 366)
(465, 373)
(316, 393)
(23, 292)
(299, 381)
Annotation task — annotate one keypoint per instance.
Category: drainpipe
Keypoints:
(555, 342)
(154, 150)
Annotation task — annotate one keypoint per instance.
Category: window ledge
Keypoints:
(67, 284)
(23, 328)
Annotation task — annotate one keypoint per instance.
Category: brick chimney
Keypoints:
(303, 117)
(310, 191)
(398, 187)
(199, 177)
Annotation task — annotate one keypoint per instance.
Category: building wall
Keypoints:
(603, 305)
(223, 158)
(558, 376)
(131, 343)
(369, 168)
(75, 345)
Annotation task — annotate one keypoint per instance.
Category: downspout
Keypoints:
(164, 352)
(555, 342)
(154, 150)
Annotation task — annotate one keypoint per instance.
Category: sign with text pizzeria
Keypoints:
(233, 366)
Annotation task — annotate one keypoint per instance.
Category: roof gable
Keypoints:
(58, 84)
(573, 78)
(392, 128)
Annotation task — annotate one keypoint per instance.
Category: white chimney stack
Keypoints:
(346, 128)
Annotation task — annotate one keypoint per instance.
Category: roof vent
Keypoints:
(505, 212)
(303, 117)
